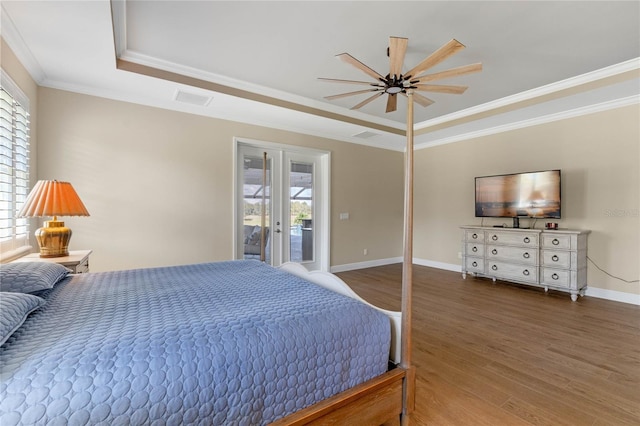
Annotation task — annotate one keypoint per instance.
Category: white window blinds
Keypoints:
(14, 166)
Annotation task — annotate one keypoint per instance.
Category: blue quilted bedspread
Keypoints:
(228, 343)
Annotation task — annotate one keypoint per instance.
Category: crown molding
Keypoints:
(14, 40)
(627, 67)
(563, 115)
(119, 26)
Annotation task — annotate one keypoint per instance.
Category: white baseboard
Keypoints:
(616, 296)
(367, 264)
(391, 260)
(440, 265)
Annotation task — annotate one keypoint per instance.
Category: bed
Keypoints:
(236, 342)
(369, 393)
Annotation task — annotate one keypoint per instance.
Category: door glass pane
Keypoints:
(301, 211)
(257, 198)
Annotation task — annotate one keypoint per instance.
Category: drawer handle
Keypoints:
(555, 276)
(494, 251)
(526, 240)
(526, 255)
(494, 267)
(474, 236)
(474, 264)
(474, 249)
(555, 241)
(494, 238)
(525, 272)
(555, 258)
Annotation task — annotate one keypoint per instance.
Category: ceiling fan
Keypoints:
(395, 82)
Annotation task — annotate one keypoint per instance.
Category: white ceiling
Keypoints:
(541, 60)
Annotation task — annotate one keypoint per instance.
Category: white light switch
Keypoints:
(344, 216)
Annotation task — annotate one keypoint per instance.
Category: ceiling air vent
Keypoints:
(192, 98)
(365, 135)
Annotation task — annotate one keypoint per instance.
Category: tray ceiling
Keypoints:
(258, 62)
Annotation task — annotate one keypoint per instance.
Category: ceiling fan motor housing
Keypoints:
(396, 84)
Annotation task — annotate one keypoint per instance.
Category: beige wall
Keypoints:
(159, 184)
(599, 155)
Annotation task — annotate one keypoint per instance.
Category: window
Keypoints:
(14, 167)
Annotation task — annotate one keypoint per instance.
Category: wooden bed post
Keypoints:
(407, 271)
(263, 209)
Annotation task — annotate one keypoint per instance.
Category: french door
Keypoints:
(281, 204)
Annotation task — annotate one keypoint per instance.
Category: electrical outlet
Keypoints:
(459, 255)
(365, 252)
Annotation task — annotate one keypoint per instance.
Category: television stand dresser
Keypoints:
(553, 259)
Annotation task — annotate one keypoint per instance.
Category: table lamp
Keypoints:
(53, 198)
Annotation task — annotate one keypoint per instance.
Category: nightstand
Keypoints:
(77, 261)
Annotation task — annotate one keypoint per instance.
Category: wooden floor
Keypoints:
(503, 354)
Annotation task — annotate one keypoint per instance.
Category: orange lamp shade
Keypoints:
(53, 198)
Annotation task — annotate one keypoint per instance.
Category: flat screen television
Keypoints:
(528, 195)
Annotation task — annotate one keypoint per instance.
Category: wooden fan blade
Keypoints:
(344, 95)
(450, 48)
(366, 101)
(422, 100)
(392, 103)
(345, 57)
(453, 72)
(337, 80)
(397, 50)
(455, 90)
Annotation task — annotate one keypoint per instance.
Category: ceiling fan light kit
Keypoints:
(395, 82)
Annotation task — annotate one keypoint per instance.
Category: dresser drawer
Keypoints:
(557, 241)
(525, 255)
(556, 277)
(474, 235)
(505, 270)
(527, 239)
(474, 249)
(559, 259)
(474, 264)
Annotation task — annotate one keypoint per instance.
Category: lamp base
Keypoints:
(53, 239)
